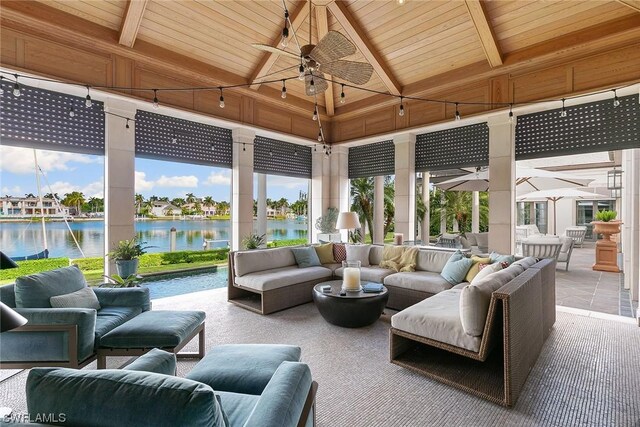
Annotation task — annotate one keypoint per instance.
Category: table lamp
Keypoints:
(347, 221)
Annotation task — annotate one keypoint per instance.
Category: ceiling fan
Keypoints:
(323, 58)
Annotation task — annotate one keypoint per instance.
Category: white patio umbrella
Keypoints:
(527, 179)
(558, 194)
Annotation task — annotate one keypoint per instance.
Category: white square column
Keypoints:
(378, 209)
(425, 227)
(262, 204)
(475, 211)
(241, 186)
(405, 185)
(339, 164)
(119, 176)
(631, 220)
(502, 184)
(320, 188)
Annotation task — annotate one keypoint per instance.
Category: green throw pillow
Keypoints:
(325, 253)
(306, 257)
(456, 268)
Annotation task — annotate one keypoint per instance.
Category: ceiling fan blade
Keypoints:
(275, 50)
(357, 73)
(319, 84)
(332, 46)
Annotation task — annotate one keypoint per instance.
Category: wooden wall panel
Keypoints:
(8, 47)
(349, 129)
(619, 66)
(304, 126)
(422, 112)
(268, 117)
(380, 122)
(209, 102)
(541, 84)
(150, 79)
(500, 89)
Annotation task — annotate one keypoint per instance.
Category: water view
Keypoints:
(24, 238)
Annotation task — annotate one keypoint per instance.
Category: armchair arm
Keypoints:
(48, 335)
(157, 361)
(283, 401)
(124, 297)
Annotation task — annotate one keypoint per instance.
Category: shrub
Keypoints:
(606, 215)
(290, 242)
(253, 241)
(32, 267)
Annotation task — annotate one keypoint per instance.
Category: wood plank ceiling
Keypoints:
(407, 44)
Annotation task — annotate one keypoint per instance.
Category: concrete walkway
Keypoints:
(582, 287)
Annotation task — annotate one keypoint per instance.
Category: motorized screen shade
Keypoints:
(42, 119)
(372, 160)
(587, 128)
(167, 138)
(274, 157)
(466, 146)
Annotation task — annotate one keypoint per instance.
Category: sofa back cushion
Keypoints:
(124, 398)
(325, 253)
(35, 290)
(306, 256)
(8, 295)
(246, 262)
(433, 261)
(456, 268)
(376, 254)
(359, 253)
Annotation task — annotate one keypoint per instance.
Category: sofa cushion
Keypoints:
(325, 253)
(109, 318)
(359, 253)
(156, 360)
(437, 318)
(246, 262)
(91, 397)
(280, 277)
(242, 368)
(375, 254)
(391, 255)
(369, 274)
(566, 244)
(496, 257)
(431, 260)
(456, 268)
(237, 407)
(423, 281)
(306, 257)
(475, 267)
(526, 262)
(332, 267)
(487, 270)
(471, 239)
(35, 290)
(84, 298)
(339, 252)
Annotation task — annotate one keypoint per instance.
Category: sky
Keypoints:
(66, 172)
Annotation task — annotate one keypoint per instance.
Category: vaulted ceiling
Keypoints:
(414, 46)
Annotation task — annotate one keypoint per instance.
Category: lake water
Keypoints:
(22, 238)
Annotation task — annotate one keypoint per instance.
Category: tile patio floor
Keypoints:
(582, 287)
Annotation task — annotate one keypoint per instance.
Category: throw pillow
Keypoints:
(339, 252)
(491, 268)
(475, 268)
(35, 290)
(391, 255)
(359, 253)
(306, 257)
(84, 298)
(325, 253)
(409, 259)
(496, 257)
(456, 268)
(474, 307)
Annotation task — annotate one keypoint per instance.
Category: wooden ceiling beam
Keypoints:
(633, 4)
(340, 11)
(488, 40)
(323, 28)
(268, 59)
(131, 22)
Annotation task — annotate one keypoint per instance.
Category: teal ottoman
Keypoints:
(242, 368)
(168, 330)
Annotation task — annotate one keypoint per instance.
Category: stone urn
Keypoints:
(606, 249)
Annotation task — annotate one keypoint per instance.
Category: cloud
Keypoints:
(287, 182)
(185, 181)
(12, 191)
(93, 189)
(218, 178)
(20, 160)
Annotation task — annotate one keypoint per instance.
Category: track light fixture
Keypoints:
(616, 100)
(155, 99)
(283, 94)
(16, 88)
(563, 112)
(87, 100)
(401, 112)
(457, 113)
(221, 99)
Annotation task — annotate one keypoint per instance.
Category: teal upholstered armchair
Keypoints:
(62, 336)
(147, 394)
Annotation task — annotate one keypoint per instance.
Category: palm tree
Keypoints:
(389, 206)
(191, 198)
(283, 204)
(208, 201)
(178, 201)
(362, 197)
(222, 208)
(457, 207)
(139, 198)
(76, 199)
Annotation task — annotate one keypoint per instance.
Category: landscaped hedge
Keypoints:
(182, 257)
(291, 242)
(34, 266)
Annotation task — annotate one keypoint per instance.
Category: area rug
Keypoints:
(587, 374)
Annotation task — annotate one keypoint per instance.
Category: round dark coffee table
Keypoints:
(353, 310)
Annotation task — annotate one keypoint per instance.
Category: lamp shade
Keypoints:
(9, 318)
(348, 221)
(6, 262)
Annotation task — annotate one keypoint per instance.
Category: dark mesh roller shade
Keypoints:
(167, 138)
(274, 157)
(466, 146)
(41, 119)
(587, 128)
(372, 160)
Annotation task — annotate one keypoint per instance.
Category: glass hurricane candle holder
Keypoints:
(351, 276)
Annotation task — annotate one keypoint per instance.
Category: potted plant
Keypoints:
(253, 241)
(606, 250)
(117, 281)
(126, 255)
(326, 225)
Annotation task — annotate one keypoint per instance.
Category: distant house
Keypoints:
(164, 209)
(30, 206)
